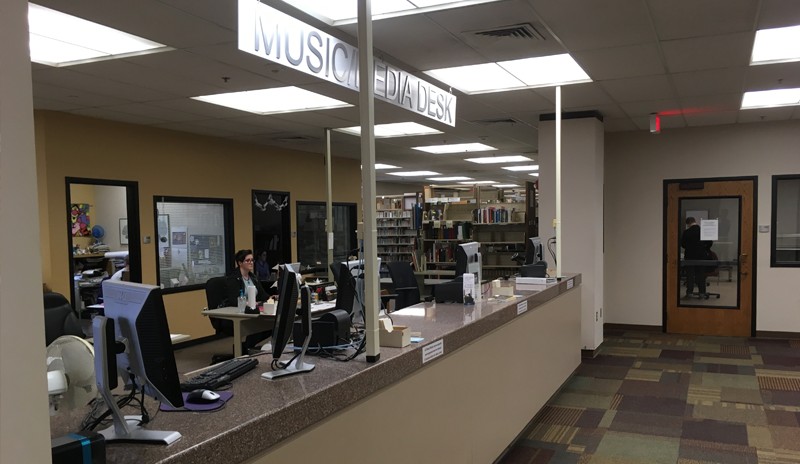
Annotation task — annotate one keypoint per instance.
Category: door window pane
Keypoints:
(709, 268)
(785, 221)
(312, 244)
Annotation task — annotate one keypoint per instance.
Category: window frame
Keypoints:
(773, 250)
(353, 235)
(228, 230)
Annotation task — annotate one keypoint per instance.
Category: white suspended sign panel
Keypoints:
(278, 37)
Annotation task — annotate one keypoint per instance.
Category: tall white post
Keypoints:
(328, 203)
(366, 90)
(24, 422)
(559, 264)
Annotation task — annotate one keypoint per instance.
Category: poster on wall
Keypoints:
(79, 218)
(271, 220)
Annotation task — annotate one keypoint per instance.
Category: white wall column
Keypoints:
(581, 211)
(24, 420)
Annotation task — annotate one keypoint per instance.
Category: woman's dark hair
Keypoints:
(241, 255)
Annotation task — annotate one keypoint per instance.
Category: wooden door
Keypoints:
(725, 305)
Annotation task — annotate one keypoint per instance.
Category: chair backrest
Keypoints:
(216, 297)
(405, 284)
(59, 318)
(335, 269)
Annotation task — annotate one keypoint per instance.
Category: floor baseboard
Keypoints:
(774, 334)
(634, 327)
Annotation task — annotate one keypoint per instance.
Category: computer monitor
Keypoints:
(345, 289)
(284, 322)
(467, 258)
(533, 251)
(143, 351)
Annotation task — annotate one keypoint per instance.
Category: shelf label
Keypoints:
(570, 284)
(432, 351)
(522, 307)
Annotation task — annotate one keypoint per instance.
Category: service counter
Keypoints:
(489, 368)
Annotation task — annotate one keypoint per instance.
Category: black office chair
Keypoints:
(59, 318)
(405, 284)
(216, 297)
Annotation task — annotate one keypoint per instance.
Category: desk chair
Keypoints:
(712, 272)
(216, 297)
(405, 284)
(59, 318)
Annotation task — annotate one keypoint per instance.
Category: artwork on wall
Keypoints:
(79, 218)
(123, 231)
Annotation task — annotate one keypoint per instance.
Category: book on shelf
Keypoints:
(492, 215)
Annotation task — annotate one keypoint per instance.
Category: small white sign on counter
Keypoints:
(522, 307)
(570, 283)
(432, 351)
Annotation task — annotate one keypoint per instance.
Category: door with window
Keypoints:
(710, 244)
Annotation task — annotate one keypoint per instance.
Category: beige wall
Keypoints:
(636, 165)
(170, 163)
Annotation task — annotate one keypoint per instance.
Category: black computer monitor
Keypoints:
(467, 259)
(345, 289)
(533, 251)
(284, 323)
(143, 350)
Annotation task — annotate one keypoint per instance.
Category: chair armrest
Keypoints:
(405, 289)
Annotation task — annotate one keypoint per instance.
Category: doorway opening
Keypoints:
(102, 230)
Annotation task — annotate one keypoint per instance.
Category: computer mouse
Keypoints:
(202, 397)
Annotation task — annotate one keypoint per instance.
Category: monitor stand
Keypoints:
(125, 428)
(298, 365)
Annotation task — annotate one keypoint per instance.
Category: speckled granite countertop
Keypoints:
(262, 413)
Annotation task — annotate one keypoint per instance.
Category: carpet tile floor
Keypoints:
(649, 397)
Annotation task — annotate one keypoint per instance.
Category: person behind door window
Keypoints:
(240, 278)
(262, 266)
(694, 249)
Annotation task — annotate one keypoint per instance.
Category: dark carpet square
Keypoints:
(676, 354)
(703, 451)
(784, 418)
(590, 418)
(602, 372)
(521, 454)
(653, 389)
(647, 424)
(678, 378)
(605, 360)
(715, 431)
(783, 398)
(724, 368)
(646, 404)
(778, 360)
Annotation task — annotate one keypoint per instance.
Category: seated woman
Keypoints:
(238, 281)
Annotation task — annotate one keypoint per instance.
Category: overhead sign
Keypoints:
(278, 37)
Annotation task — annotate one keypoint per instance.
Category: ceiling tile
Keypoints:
(778, 13)
(766, 114)
(720, 51)
(690, 84)
(102, 113)
(575, 95)
(679, 19)
(645, 108)
(638, 89)
(772, 76)
(621, 62)
(711, 119)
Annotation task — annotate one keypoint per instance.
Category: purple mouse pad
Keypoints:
(224, 396)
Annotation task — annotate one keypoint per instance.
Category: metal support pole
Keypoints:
(366, 84)
(328, 202)
(558, 182)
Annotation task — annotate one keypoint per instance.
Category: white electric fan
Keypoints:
(70, 373)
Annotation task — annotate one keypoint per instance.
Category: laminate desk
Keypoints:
(461, 395)
(248, 324)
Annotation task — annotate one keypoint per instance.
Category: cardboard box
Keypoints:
(399, 337)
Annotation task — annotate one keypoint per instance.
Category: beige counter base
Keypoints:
(464, 407)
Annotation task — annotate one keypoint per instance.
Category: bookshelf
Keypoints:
(396, 232)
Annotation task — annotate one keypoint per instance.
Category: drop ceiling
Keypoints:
(687, 59)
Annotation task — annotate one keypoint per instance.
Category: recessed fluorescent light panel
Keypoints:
(272, 101)
(413, 173)
(455, 148)
(397, 129)
(385, 166)
(771, 98)
(449, 179)
(346, 11)
(505, 185)
(499, 159)
(479, 182)
(527, 167)
(543, 71)
(534, 174)
(777, 45)
(59, 39)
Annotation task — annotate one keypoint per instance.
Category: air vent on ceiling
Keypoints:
(497, 121)
(517, 31)
(296, 139)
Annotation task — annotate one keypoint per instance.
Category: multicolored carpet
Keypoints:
(649, 397)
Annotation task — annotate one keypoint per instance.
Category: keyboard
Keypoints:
(220, 375)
